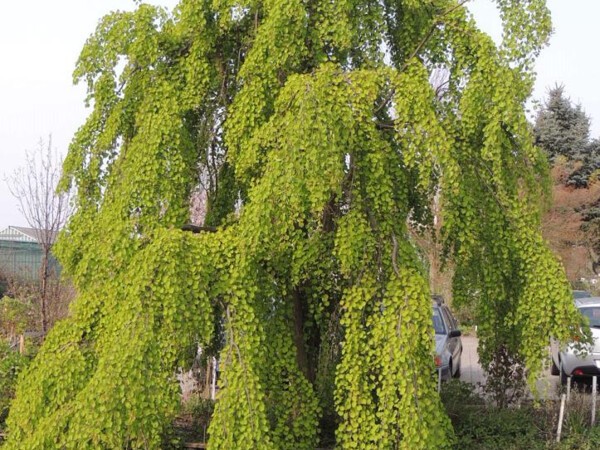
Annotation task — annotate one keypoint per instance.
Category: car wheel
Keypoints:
(553, 369)
(457, 373)
(563, 376)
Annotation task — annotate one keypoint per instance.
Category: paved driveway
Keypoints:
(472, 372)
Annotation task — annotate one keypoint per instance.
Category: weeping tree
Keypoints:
(315, 132)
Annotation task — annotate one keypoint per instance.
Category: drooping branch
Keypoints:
(198, 229)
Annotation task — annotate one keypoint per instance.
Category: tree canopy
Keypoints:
(320, 141)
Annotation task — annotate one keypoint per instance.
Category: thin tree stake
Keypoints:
(560, 417)
(594, 392)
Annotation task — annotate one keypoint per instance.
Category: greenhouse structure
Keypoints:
(21, 253)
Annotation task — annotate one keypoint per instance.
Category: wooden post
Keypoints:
(594, 391)
(561, 416)
(22, 344)
(439, 380)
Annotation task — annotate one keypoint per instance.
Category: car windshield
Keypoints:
(438, 322)
(593, 314)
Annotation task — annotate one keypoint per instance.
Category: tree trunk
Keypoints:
(45, 272)
(301, 353)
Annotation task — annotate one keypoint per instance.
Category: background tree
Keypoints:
(586, 170)
(564, 226)
(561, 128)
(45, 210)
(322, 148)
(571, 224)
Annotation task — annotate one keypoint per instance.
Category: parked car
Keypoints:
(448, 345)
(569, 360)
(581, 294)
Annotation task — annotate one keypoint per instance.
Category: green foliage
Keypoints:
(587, 167)
(316, 153)
(15, 315)
(495, 429)
(199, 412)
(11, 364)
(480, 426)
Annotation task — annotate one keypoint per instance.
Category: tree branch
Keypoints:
(198, 229)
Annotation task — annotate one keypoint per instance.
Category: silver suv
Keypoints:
(569, 360)
(448, 345)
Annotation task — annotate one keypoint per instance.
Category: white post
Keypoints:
(568, 388)
(561, 415)
(594, 384)
(213, 390)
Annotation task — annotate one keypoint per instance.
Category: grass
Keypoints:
(478, 425)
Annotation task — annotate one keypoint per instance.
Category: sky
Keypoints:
(40, 41)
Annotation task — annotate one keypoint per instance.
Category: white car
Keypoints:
(448, 345)
(570, 361)
(581, 294)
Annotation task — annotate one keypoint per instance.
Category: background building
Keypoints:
(21, 253)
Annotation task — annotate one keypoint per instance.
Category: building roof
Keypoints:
(23, 234)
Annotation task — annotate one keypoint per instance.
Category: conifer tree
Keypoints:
(561, 128)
